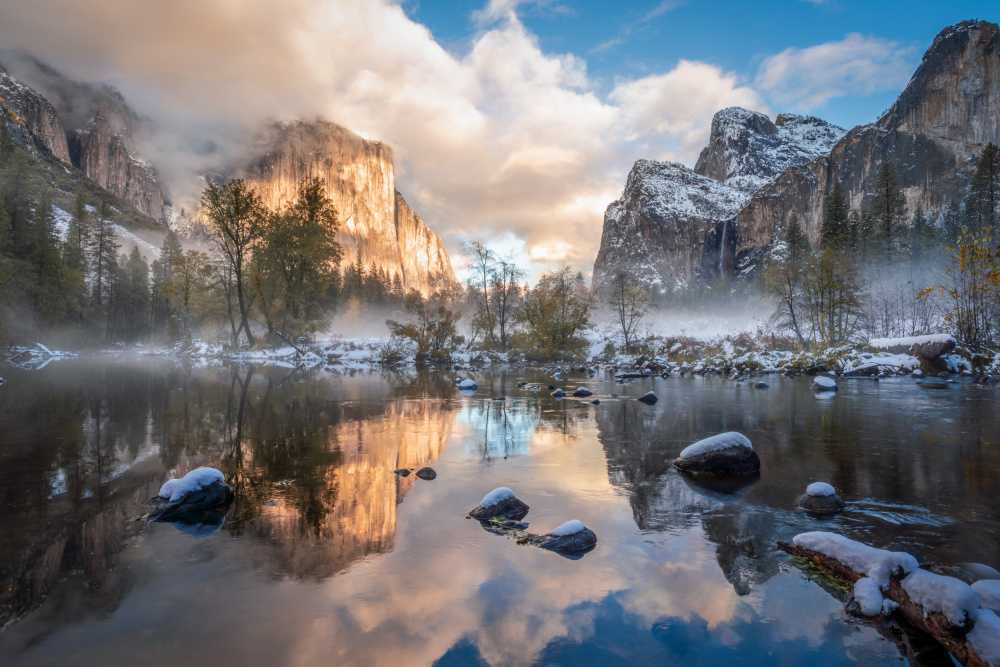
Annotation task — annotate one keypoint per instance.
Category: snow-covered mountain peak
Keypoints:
(747, 150)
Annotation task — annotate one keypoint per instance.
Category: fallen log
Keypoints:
(934, 623)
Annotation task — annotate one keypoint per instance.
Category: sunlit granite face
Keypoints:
(328, 556)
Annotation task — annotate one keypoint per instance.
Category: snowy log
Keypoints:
(934, 623)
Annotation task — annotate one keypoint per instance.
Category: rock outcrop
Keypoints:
(90, 126)
(948, 112)
(665, 229)
(746, 150)
(33, 120)
(375, 220)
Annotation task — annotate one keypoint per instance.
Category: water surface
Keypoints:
(328, 557)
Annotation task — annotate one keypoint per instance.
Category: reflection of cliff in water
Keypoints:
(641, 445)
(314, 478)
(83, 445)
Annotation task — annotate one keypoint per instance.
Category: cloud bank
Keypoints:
(502, 138)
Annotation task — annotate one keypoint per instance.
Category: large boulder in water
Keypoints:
(721, 455)
(191, 497)
(820, 498)
(500, 502)
(933, 347)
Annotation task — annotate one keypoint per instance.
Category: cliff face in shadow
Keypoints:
(375, 221)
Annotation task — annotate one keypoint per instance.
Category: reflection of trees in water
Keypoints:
(86, 444)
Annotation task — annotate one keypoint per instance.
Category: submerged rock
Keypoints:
(403, 472)
(721, 455)
(934, 383)
(558, 393)
(761, 385)
(648, 398)
(500, 502)
(820, 498)
(426, 473)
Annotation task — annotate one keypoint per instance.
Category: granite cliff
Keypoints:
(375, 220)
(948, 111)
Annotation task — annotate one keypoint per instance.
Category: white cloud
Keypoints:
(807, 78)
(503, 138)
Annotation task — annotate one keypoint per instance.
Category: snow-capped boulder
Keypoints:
(582, 391)
(761, 385)
(720, 455)
(571, 539)
(500, 502)
(648, 398)
(187, 498)
(558, 393)
(823, 383)
(820, 497)
(468, 385)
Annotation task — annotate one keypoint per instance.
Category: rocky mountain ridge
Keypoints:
(949, 110)
(89, 126)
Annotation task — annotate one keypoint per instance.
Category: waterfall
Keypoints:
(722, 249)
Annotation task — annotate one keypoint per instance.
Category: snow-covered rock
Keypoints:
(648, 398)
(746, 150)
(173, 489)
(823, 383)
(725, 454)
(500, 502)
(569, 528)
(876, 564)
(952, 597)
(582, 391)
(988, 591)
(468, 385)
(716, 443)
(820, 497)
(820, 489)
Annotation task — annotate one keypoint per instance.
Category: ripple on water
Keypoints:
(899, 514)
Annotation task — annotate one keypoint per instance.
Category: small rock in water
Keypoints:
(572, 539)
(558, 393)
(426, 473)
(820, 497)
(934, 383)
(760, 385)
(917, 373)
(403, 472)
(582, 391)
(648, 398)
(499, 502)
(551, 387)
(516, 525)
(823, 383)
(468, 385)
(596, 401)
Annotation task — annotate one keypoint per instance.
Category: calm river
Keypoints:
(328, 557)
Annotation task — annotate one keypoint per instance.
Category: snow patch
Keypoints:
(174, 489)
(984, 638)
(820, 489)
(952, 597)
(571, 527)
(910, 341)
(877, 564)
(988, 591)
(716, 443)
(868, 596)
(495, 496)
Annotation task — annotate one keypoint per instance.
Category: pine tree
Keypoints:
(888, 210)
(953, 222)
(984, 191)
(796, 239)
(923, 236)
(105, 258)
(835, 219)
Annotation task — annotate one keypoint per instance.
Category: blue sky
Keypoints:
(629, 39)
